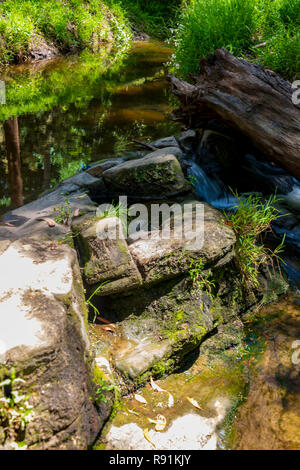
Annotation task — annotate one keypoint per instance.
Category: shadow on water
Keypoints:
(79, 109)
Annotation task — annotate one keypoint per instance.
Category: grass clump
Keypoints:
(252, 218)
(154, 17)
(200, 278)
(239, 25)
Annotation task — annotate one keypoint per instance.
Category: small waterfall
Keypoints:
(210, 189)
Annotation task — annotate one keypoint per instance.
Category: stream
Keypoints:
(80, 109)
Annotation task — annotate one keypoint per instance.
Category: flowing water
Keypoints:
(76, 110)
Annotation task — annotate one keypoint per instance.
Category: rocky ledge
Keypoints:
(160, 297)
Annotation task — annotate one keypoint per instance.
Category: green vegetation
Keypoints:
(76, 82)
(27, 25)
(103, 386)
(90, 303)
(63, 213)
(15, 411)
(201, 279)
(154, 17)
(239, 26)
(250, 220)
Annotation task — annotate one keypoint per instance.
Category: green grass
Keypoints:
(154, 17)
(69, 25)
(252, 218)
(239, 25)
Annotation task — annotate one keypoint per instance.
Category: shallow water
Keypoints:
(254, 389)
(79, 109)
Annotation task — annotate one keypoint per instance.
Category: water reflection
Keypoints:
(12, 141)
(76, 110)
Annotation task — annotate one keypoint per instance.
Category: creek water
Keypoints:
(76, 110)
(79, 109)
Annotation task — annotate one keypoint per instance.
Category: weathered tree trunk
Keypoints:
(255, 101)
(11, 130)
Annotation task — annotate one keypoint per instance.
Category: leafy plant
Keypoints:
(119, 210)
(89, 300)
(103, 386)
(63, 212)
(251, 219)
(201, 279)
(15, 410)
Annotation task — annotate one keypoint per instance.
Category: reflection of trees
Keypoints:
(11, 131)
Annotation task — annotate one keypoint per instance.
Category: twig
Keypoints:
(143, 144)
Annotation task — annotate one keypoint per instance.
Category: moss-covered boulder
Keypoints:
(105, 255)
(48, 400)
(154, 176)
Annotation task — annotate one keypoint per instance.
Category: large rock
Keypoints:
(157, 176)
(166, 151)
(160, 259)
(43, 336)
(29, 220)
(105, 255)
(98, 168)
(188, 140)
(159, 325)
(165, 142)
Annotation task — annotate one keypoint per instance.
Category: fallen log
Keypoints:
(253, 100)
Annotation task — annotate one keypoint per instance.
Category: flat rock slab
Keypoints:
(189, 432)
(42, 334)
(27, 221)
(152, 176)
(106, 256)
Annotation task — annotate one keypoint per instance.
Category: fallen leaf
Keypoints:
(171, 400)
(132, 412)
(110, 327)
(194, 403)
(76, 212)
(50, 222)
(81, 196)
(147, 437)
(160, 422)
(9, 224)
(140, 398)
(155, 386)
(104, 320)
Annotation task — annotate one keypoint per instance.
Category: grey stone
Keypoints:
(98, 168)
(159, 259)
(150, 177)
(26, 219)
(106, 256)
(43, 336)
(165, 151)
(187, 140)
(165, 142)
